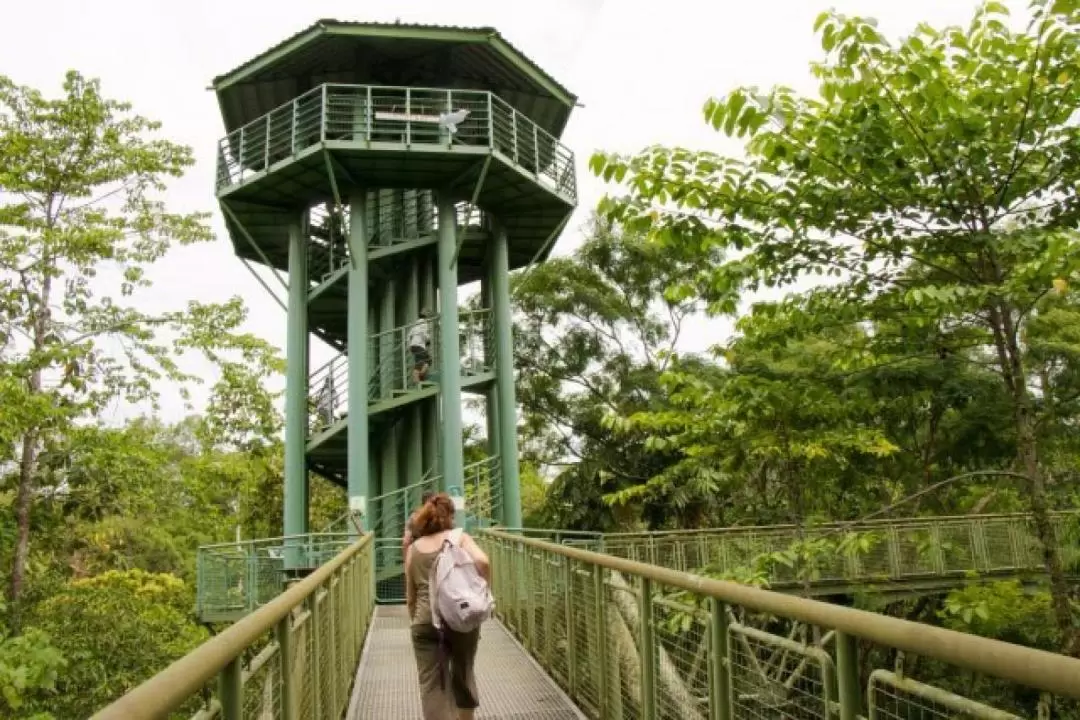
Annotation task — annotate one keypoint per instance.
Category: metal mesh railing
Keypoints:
(234, 579)
(483, 492)
(385, 117)
(394, 217)
(630, 640)
(906, 549)
(394, 367)
(304, 648)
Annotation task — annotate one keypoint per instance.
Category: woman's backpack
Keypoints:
(460, 598)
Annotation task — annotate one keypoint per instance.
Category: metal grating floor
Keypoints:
(512, 686)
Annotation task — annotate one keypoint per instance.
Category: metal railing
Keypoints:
(235, 578)
(392, 365)
(428, 119)
(304, 648)
(630, 640)
(483, 492)
(394, 217)
(898, 550)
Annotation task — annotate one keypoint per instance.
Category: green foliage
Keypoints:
(592, 334)
(29, 665)
(80, 226)
(928, 193)
(115, 629)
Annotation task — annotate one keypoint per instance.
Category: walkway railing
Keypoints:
(395, 217)
(233, 579)
(422, 119)
(630, 640)
(898, 550)
(391, 365)
(304, 669)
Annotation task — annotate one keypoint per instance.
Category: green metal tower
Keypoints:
(381, 167)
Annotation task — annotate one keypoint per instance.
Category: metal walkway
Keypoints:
(512, 686)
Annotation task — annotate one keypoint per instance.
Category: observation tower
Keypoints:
(376, 169)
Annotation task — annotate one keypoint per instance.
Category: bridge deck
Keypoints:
(512, 686)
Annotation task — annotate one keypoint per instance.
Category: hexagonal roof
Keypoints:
(332, 51)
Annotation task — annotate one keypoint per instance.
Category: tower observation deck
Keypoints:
(380, 167)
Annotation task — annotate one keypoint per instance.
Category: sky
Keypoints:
(642, 70)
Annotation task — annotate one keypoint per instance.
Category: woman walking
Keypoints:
(444, 658)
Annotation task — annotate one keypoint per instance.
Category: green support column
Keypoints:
(390, 359)
(430, 410)
(358, 478)
(504, 377)
(491, 396)
(296, 393)
(449, 352)
(413, 441)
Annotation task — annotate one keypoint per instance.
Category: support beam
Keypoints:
(504, 377)
(430, 412)
(359, 489)
(412, 430)
(296, 394)
(450, 352)
(391, 378)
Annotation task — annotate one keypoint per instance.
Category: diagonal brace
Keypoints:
(472, 205)
(543, 248)
(251, 241)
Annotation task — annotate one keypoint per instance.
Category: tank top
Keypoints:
(420, 575)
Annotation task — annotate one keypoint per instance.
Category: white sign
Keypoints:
(459, 503)
(406, 117)
(358, 504)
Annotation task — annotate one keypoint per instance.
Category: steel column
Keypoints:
(357, 326)
(450, 352)
(296, 394)
(504, 377)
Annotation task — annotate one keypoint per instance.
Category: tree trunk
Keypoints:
(28, 461)
(22, 516)
(1009, 354)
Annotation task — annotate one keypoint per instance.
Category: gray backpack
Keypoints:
(460, 597)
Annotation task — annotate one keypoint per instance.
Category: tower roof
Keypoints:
(440, 56)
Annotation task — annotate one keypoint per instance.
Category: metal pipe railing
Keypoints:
(336, 603)
(676, 645)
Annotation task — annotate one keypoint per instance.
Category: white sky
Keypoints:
(642, 69)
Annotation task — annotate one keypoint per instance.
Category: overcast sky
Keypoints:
(642, 69)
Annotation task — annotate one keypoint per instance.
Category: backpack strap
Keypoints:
(455, 537)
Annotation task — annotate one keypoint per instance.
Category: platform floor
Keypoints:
(512, 686)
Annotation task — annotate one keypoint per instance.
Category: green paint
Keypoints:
(449, 349)
(296, 393)
(359, 489)
(504, 378)
(392, 372)
(847, 676)
(412, 445)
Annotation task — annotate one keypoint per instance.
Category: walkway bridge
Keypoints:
(614, 626)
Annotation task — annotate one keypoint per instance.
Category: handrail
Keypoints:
(173, 686)
(1038, 669)
(833, 525)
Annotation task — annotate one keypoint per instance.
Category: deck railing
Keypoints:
(626, 639)
(391, 365)
(236, 578)
(895, 550)
(390, 118)
(293, 658)
(394, 217)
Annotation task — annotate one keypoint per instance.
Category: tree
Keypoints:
(116, 629)
(592, 334)
(932, 182)
(79, 226)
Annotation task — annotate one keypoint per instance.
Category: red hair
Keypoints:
(436, 515)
